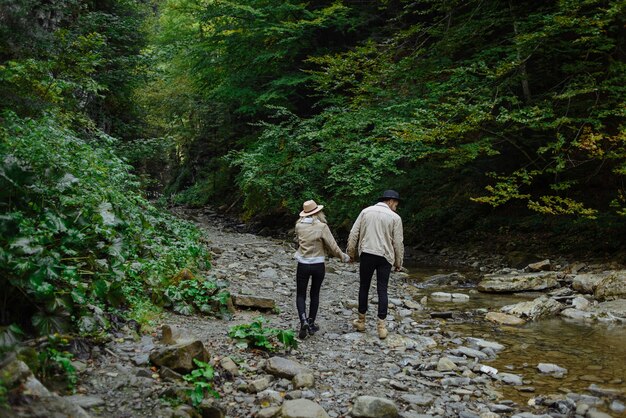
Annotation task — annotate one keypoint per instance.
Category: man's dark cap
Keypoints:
(389, 194)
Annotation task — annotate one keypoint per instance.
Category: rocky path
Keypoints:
(421, 370)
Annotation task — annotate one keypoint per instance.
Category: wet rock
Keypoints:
(539, 308)
(617, 406)
(611, 287)
(577, 314)
(449, 297)
(254, 302)
(586, 283)
(302, 408)
(443, 280)
(594, 413)
(580, 303)
(374, 407)
(282, 367)
(604, 391)
(510, 379)
(614, 310)
(504, 319)
(508, 283)
(179, 357)
(481, 344)
(552, 369)
(469, 352)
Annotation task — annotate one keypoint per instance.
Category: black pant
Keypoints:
(369, 263)
(316, 273)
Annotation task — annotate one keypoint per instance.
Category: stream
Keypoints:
(593, 353)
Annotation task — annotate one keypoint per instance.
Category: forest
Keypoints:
(496, 121)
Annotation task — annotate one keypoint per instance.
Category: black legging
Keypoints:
(303, 273)
(369, 263)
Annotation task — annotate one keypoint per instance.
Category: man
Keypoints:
(377, 235)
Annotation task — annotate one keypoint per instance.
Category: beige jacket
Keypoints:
(315, 241)
(378, 231)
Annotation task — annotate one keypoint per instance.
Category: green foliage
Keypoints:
(190, 296)
(4, 404)
(257, 335)
(10, 336)
(76, 231)
(456, 86)
(56, 363)
(201, 379)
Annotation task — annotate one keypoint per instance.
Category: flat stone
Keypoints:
(302, 408)
(504, 319)
(423, 399)
(374, 407)
(282, 367)
(85, 401)
(256, 302)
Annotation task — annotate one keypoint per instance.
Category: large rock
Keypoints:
(255, 302)
(302, 408)
(504, 319)
(611, 287)
(535, 309)
(586, 283)
(16, 376)
(179, 357)
(373, 407)
(282, 367)
(518, 282)
(543, 265)
(443, 280)
(171, 334)
(614, 310)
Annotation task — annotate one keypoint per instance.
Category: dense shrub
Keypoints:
(76, 236)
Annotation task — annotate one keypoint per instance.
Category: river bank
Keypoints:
(427, 367)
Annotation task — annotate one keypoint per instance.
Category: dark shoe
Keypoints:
(313, 327)
(304, 330)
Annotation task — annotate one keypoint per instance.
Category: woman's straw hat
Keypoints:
(310, 207)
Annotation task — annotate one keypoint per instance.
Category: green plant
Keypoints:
(3, 396)
(57, 364)
(257, 335)
(201, 379)
(195, 294)
(10, 336)
(76, 236)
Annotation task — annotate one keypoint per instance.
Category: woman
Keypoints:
(315, 241)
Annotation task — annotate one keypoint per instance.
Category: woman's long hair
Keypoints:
(319, 216)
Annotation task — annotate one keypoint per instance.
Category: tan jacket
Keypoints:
(378, 231)
(316, 240)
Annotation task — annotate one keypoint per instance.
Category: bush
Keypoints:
(75, 232)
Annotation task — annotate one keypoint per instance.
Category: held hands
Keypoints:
(346, 258)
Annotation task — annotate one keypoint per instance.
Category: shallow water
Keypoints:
(593, 353)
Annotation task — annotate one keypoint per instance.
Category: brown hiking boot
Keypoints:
(382, 329)
(359, 323)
